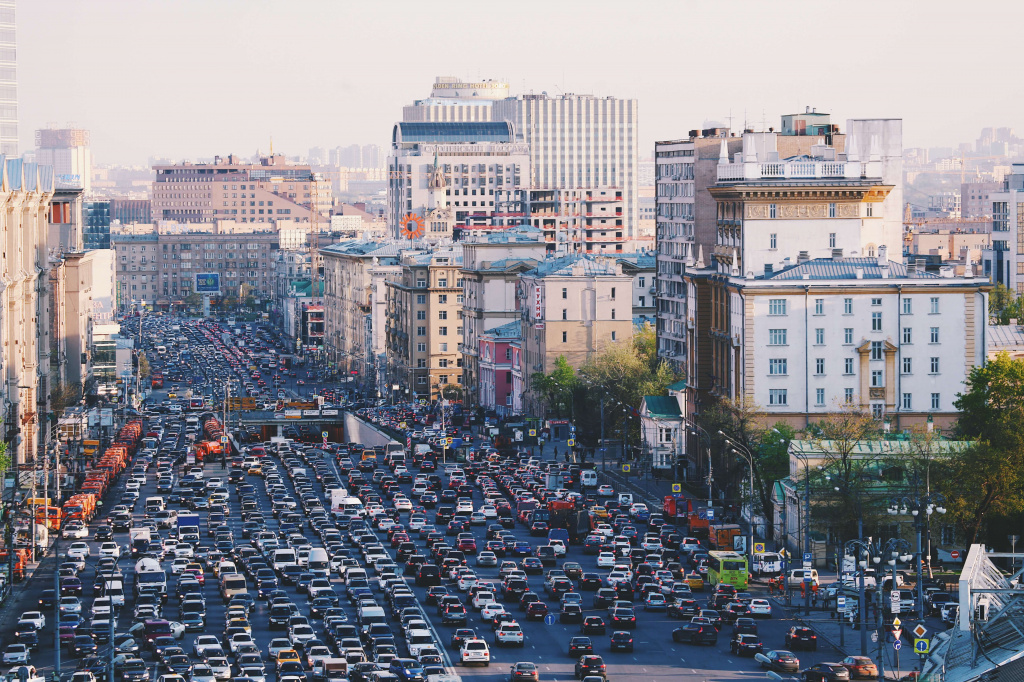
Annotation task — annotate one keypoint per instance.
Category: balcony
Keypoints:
(799, 170)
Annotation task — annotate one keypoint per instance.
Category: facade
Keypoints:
(580, 142)
(444, 172)
(492, 264)
(827, 332)
(965, 246)
(230, 190)
(453, 99)
(572, 220)
(572, 306)
(641, 266)
(496, 386)
(664, 431)
(976, 198)
(425, 324)
(355, 307)
(1004, 261)
(67, 151)
(8, 79)
(97, 224)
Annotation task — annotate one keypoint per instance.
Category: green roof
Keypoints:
(662, 406)
(678, 386)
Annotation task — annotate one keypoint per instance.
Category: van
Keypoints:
(232, 584)
(766, 564)
(283, 558)
(588, 478)
(154, 505)
(114, 589)
(325, 669)
(318, 563)
(797, 575)
(371, 615)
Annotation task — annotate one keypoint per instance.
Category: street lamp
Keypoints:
(928, 504)
(700, 432)
(746, 454)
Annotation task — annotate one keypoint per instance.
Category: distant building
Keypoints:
(67, 151)
(496, 385)
(1004, 262)
(97, 225)
(8, 79)
(976, 198)
(452, 99)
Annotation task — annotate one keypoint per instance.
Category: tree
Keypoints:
(1004, 306)
(62, 396)
(992, 409)
(143, 366)
(556, 389)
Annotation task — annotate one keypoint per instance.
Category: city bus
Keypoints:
(728, 567)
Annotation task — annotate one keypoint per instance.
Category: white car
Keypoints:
(467, 580)
(16, 653)
(75, 530)
(489, 511)
(489, 611)
(605, 560)
(606, 491)
(385, 523)
(300, 634)
(70, 605)
(558, 546)
(486, 559)
(78, 550)
(206, 644)
(464, 506)
(110, 549)
(509, 634)
(604, 529)
(403, 504)
(179, 564)
(761, 608)
(475, 651)
(221, 668)
(482, 599)
(35, 617)
(202, 673)
(177, 629)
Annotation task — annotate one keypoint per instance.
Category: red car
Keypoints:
(536, 610)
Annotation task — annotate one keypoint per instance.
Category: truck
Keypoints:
(338, 497)
(720, 535)
(157, 380)
(564, 515)
(553, 480)
(330, 669)
(140, 540)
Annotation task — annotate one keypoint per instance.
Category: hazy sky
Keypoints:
(190, 78)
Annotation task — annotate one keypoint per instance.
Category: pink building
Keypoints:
(496, 362)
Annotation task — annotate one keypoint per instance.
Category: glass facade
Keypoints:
(96, 234)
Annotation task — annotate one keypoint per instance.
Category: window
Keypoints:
(847, 365)
(442, 331)
(442, 379)
(777, 366)
(565, 293)
(876, 322)
(421, 348)
(565, 337)
(908, 365)
(819, 336)
(819, 306)
(442, 298)
(443, 362)
(640, 282)
(443, 347)
(421, 363)
(848, 335)
(614, 336)
(934, 336)
(777, 396)
(421, 314)
(908, 335)
(869, 210)
(773, 241)
(421, 331)
(877, 410)
(876, 350)
(442, 282)
(773, 210)
(776, 306)
(934, 305)
(831, 240)
(613, 313)
(613, 293)
(933, 366)
(847, 306)
(832, 210)
(819, 396)
(819, 365)
(935, 401)
(565, 314)
(848, 395)
(664, 434)
(421, 299)
(776, 337)
(908, 306)
(906, 401)
(442, 314)
(877, 378)
(420, 283)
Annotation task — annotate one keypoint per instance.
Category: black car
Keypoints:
(695, 633)
(746, 645)
(523, 672)
(454, 613)
(623, 618)
(103, 533)
(580, 646)
(744, 626)
(83, 645)
(782, 661)
(590, 665)
(622, 641)
(683, 608)
(827, 672)
(802, 637)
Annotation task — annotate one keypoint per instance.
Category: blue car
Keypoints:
(407, 669)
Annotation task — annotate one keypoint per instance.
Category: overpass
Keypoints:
(341, 426)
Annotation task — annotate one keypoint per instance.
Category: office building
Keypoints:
(571, 220)
(452, 99)
(8, 78)
(97, 224)
(67, 151)
(580, 142)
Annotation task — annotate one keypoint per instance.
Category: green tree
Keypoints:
(143, 366)
(556, 390)
(1004, 305)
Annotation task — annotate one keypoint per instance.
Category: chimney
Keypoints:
(859, 273)
(883, 258)
(912, 269)
(803, 257)
(837, 254)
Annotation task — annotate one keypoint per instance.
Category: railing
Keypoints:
(787, 169)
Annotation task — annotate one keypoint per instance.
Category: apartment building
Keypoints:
(356, 274)
(228, 189)
(1004, 261)
(425, 324)
(496, 385)
(580, 142)
(492, 264)
(67, 151)
(572, 306)
(572, 220)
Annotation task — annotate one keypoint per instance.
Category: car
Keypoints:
(524, 671)
(746, 645)
(605, 491)
(655, 601)
(802, 637)
(696, 633)
(16, 653)
(509, 633)
(536, 610)
(570, 613)
(781, 660)
(590, 664)
(606, 560)
(860, 667)
(35, 617)
(580, 646)
(760, 608)
(623, 618)
(407, 669)
(621, 641)
(475, 651)
(826, 672)
(593, 625)
(461, 635)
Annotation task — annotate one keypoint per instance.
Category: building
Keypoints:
(960, 245)
(8, 79)
(492, 264)
(976, 198)
(580, 142)
(572, 306)
(440, 173)
(126, 211)
(573, 220)
(356, 274)
(1004, 262)
(452, 99)
(663, 430)
(494, 352)
(641, 266)
(97, 224)
(245, 192)
(67, 151)
(425, 324)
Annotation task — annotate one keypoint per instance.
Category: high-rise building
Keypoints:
(579, 142)
(453, 99)
(67, 151)
(8, 79)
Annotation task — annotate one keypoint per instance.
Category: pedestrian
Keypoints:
(556, 452)
(771, 587)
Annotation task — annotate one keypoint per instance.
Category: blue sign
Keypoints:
(897, 644)
(711, 514)
(807, 556)
(208, 283)
(456, 442)
(549, 619)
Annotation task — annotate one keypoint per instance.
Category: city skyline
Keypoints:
(686, 63)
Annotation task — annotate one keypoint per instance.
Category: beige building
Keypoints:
(264, 192)
(356, 274)
(574, 306)
(425, 325)
(950, 245)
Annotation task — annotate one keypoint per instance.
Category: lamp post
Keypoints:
(921, 508)
(895, 549)
(861, 559)
(746, 454)
(700, 432)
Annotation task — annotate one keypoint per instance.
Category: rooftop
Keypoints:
(571, 266)
(452, 132)
(661, 407)
(509, 330)
(848, 268)
(365, 248)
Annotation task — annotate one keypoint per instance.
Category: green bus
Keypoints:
(728, 567)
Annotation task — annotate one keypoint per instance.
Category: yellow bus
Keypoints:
(728, 567)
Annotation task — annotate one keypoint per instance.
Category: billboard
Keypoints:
(207, 283)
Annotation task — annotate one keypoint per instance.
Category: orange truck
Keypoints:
(720, 535)
(699, 522)
(208, 448)
(49, 516)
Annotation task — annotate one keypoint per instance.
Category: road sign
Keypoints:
(894, 596)
(549, 619)
(758, 548)
(571, 442)
(223, 439)
(922, 646)
(807, 557)
(840, 603)
(533, 433)
(896, 632)
(711, 514)
(955, 554)
(896, 622)
(920, 631)
(677, 487)
(625, 468)
(323, 434)
(897, 644)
